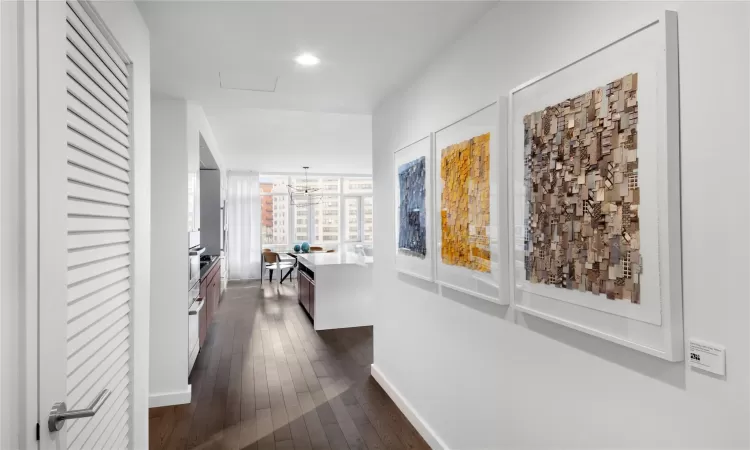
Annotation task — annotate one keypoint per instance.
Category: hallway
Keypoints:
(267, 380)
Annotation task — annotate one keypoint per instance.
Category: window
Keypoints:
(324, 185)
(367, 234)
(273, 224)
(328, 212)
(302, 218)
(344, 214)
(357, 185)
(274, 184)
(351, 226)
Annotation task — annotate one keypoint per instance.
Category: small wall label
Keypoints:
(707, 356)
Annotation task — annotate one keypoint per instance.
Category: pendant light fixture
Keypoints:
(302, 195)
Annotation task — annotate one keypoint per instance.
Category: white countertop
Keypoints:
(333, 259)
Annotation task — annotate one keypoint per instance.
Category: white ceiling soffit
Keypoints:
(284, 141)
(367, 49)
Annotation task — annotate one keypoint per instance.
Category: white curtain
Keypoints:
(243, 225)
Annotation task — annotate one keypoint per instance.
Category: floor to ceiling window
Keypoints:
(340, 213)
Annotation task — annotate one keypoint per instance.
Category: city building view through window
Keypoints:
(341, 211)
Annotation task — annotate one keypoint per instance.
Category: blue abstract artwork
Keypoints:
(412, 233)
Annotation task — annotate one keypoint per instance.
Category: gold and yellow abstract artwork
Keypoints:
(465, 203)
(582, 192)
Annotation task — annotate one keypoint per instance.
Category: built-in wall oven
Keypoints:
(195, 304)
(194, 260)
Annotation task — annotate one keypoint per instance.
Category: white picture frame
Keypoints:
(655, 325)
(422, 268)
(490, 286)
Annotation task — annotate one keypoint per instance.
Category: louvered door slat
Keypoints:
(113, 90)
(79, 207)
(88, 271)
(103, 374)
(122, 439)
(101, 44)
(83, 108)
(112, 420)
(79, 433)
(115, 346)
(85, 128)
(92, 178)
(78, 241)
(98, 253)
(104, 313)
(96, 326)
(87, 161)
(80, 142)
(77, 78)
(85, 192)
(119, 428)
(98, 223)
(90, 286)
(76, 360)
(116, 118)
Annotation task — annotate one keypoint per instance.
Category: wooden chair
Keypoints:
(271, 261)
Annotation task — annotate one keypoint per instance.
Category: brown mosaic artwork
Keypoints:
(465, 203)
(581, 161)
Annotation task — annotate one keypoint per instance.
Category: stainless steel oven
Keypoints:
(194, 256)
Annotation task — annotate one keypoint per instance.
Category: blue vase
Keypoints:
(297, 248)
(305, 247)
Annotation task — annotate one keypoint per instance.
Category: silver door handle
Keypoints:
(59, 412)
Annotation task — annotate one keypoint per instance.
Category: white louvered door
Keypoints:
(84, 246)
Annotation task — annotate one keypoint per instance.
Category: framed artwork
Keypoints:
(413, 178)
(467, 204)
(595, 193)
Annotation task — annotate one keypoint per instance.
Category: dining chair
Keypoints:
(272, 261)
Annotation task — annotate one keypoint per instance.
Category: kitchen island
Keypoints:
(335, 289)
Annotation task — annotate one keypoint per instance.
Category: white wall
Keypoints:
(169, 263)
(197, 122)
(271, 141)
(18, 305)
(480, 381)
(175, 125)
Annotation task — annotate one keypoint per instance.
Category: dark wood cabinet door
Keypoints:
(202, 324)
(311, 301)
(304, 289)
(217, 292)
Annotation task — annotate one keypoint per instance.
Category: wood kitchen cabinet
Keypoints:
(306, 290)
(210, 290)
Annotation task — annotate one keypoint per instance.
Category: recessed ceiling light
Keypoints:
(307, 59)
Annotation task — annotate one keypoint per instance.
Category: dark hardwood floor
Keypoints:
(266, 380)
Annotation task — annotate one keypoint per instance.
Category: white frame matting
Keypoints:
(486, 286)
(407, 264)
(655, 325)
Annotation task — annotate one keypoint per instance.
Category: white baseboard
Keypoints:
(433, 440)
(170, 398)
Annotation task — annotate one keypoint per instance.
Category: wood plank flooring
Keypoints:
(265, 380)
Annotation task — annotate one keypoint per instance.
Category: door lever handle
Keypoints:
(59, 412)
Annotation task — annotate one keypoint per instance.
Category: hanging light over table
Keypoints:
(303, 195)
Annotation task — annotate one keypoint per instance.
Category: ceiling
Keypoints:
(367, 49)
(284, 141)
